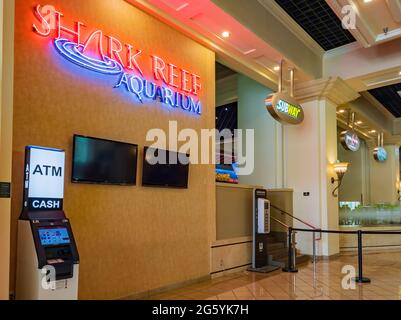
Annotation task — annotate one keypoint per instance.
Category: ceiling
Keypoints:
(243, 50)
(388, 96)
(319, 21)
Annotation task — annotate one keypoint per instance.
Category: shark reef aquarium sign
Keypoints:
(284, 108)
(173, 86)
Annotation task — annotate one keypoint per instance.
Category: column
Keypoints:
(310, 149)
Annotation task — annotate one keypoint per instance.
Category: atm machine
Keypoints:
(261, 230)
(47, 256)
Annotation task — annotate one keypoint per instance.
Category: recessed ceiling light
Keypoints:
(399, 73)
(276, 68)
(372, 131)
(225, 34)
(359, 122)
(367, 1)
(341, 111)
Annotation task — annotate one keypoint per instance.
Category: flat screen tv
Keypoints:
(104, 161)
(165, 173)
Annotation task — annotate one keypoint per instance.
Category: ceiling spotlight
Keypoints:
(399, 73)
(276, 68)
(372, 131)
(367, 1)
(359, 122)
(341, 111)
(225, 34)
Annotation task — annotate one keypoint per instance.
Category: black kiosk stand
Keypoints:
(47, 257)
(261, 229)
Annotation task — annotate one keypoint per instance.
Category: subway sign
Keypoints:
(284, 108)
(350, 140)
(380, 154)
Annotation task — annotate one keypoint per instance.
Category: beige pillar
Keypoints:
(309, 151)
(6, 119)
(385, 177)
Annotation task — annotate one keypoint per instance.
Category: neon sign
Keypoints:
(173, 86)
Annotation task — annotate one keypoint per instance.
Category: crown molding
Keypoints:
(292, 26)
(334, 88)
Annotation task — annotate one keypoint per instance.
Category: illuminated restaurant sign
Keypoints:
(350, 140)
(284, 108)
(173, 86)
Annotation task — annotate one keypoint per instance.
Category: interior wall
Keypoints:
(130, 239)
(252, 114)
(6, 114)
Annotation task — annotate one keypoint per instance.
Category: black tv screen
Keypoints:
(104, 161)
(164, 174)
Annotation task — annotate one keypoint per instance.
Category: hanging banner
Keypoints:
(380, 154)
(44, 178)
(284, 108)
(350, 140)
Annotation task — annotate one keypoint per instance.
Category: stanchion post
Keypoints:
(360, 278)
(290, 265)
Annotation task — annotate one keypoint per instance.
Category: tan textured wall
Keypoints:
(131, 239)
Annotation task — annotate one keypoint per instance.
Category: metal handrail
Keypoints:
(298, 219)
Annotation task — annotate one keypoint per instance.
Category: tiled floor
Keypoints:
(384, 270)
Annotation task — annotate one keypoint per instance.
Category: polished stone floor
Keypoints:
(328, 283)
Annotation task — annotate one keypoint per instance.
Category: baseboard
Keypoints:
(178, 285)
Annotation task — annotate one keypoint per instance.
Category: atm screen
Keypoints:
(54, 236)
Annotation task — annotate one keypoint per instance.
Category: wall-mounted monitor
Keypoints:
(165, 173)
(104, 161)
